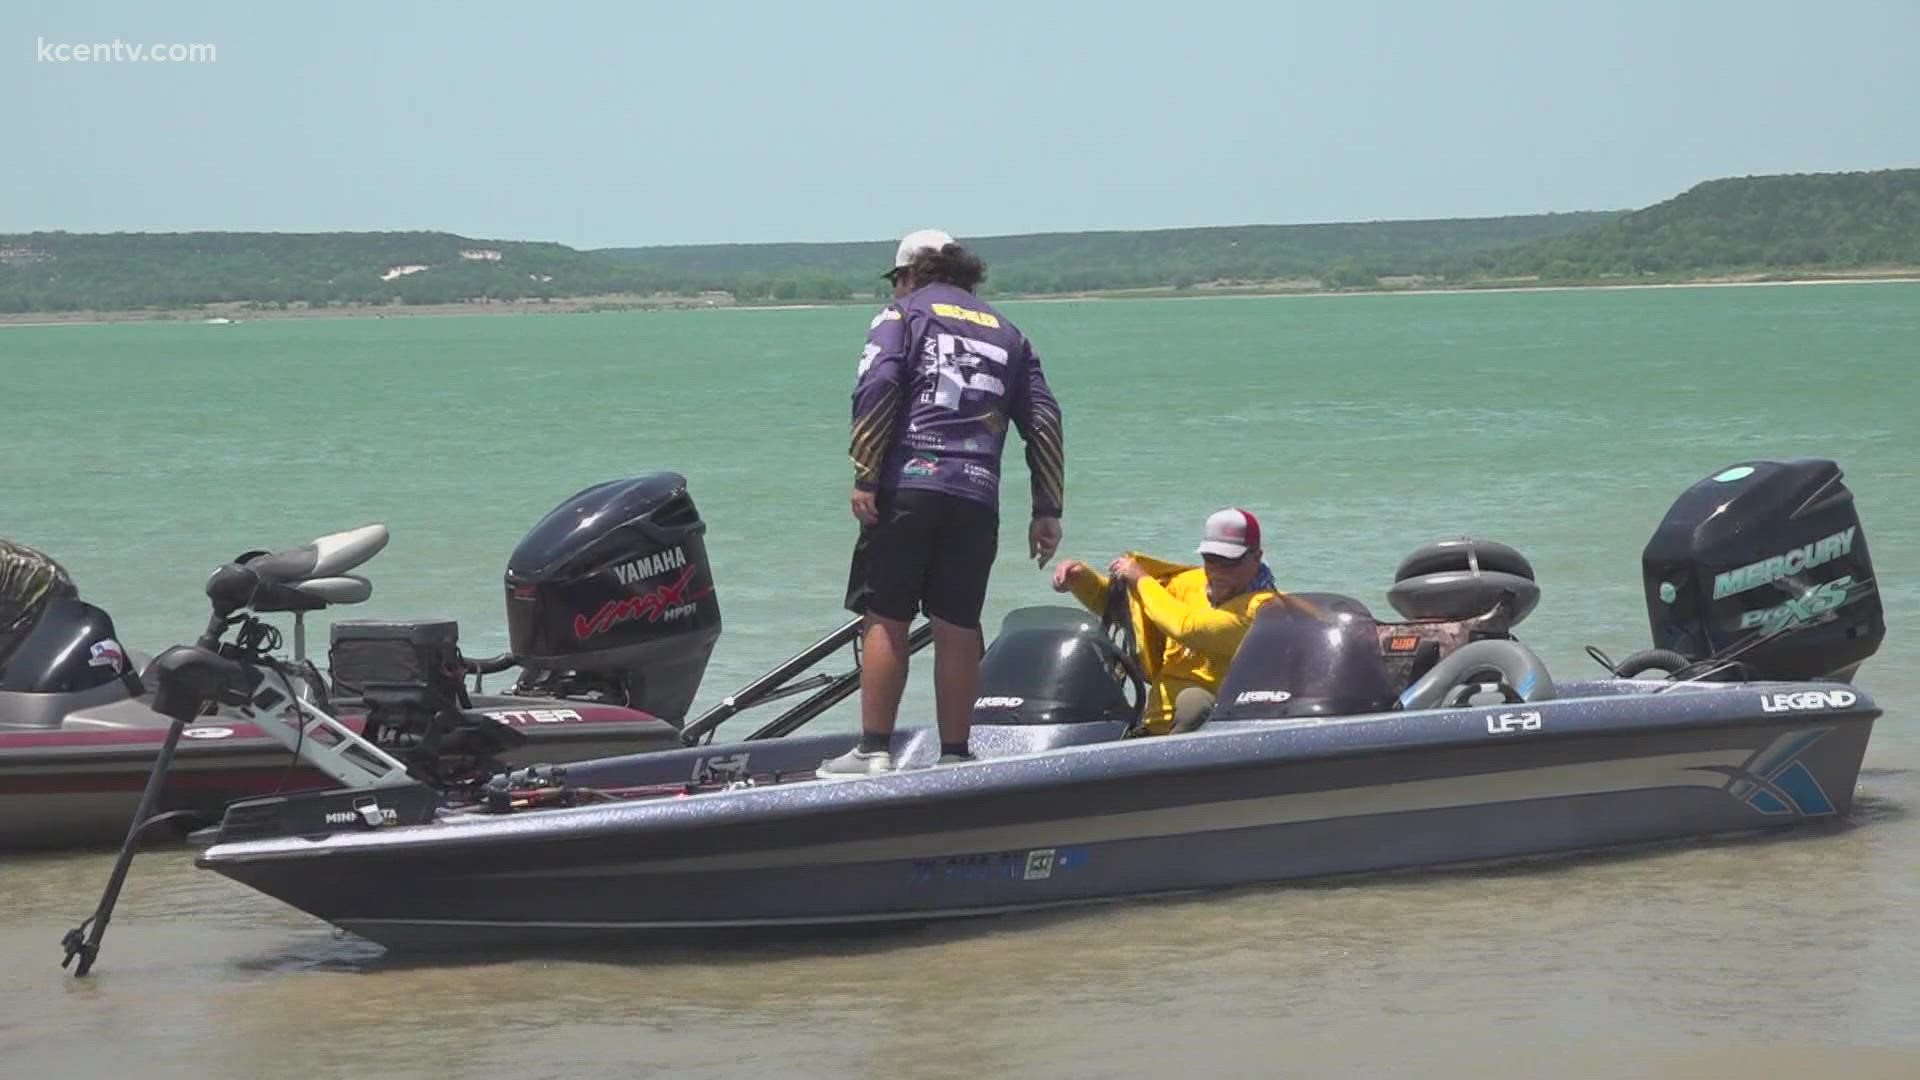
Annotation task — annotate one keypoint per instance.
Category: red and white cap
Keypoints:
(1231, 533)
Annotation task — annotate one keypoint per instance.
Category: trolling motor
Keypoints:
(243, 673)
(189, 675)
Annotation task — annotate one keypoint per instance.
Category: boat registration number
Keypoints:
(1507, 723)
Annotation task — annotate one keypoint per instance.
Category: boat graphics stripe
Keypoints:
(1703, 769)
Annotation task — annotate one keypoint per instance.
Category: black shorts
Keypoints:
(930, 552)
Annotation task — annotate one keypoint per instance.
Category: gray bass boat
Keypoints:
(1342, 743)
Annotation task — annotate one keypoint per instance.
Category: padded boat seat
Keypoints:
(1410, 649)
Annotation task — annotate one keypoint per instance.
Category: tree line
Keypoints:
(1831, 221)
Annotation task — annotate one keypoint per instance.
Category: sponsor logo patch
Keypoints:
(978, 318)
(108, 654)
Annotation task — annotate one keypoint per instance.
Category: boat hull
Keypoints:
(79, 785)
(1229, 805)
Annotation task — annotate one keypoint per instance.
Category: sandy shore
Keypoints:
(240, 313)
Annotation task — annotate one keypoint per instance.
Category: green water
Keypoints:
(1357, 427)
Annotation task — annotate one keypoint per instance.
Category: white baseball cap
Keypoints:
(918, 241)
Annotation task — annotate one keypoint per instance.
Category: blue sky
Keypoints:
(599, 124)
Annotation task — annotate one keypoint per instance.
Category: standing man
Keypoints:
(942, 374)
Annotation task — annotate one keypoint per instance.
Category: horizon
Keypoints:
(805, 243)
(596, 125)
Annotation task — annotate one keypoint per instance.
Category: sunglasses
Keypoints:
(1222, 560)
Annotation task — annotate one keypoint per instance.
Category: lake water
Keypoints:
(1357, 427)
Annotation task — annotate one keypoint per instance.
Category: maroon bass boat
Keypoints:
(611, 614)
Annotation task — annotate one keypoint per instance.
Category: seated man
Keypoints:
(1189, 621)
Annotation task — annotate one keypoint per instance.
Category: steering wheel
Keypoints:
(1116, 628)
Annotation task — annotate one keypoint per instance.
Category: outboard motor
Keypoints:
(1055, 665)
(611, 596)
(51, 641)
(1765, 562)
(71, 647)
(1307, 654)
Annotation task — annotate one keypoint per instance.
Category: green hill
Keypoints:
(1079, 262)
(61, 271)
(1812, 222)
(1818, 223)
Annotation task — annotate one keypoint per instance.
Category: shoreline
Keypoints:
(626, 303)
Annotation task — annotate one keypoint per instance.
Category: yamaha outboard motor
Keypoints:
(1765, 563)
(1054, 665)
(611, 595)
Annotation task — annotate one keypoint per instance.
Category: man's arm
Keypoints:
(876, 396)
(1090, 588)
(1037, 416)
(1200, 627)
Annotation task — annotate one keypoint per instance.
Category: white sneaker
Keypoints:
(956, 759)
(855, 763)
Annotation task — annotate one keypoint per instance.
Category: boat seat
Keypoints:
(1411, 649)
(315, 594)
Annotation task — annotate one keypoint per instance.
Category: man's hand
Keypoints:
(1064, 574)
(1126, 568)
(865, 508)
(1043, 538)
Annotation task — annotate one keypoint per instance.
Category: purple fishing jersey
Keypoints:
(941, 375)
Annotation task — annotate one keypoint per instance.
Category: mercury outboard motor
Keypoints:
(611, 596)
(1765, 563)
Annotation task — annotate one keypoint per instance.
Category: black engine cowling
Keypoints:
(1054, 665)
(1307, 654)
(70, 646)
(611, 594)
(51, 641)
(1766, 558)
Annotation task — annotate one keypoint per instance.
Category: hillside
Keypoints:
(1812, 222)
(1827, 223)
(1080, 262)
(123, 271)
